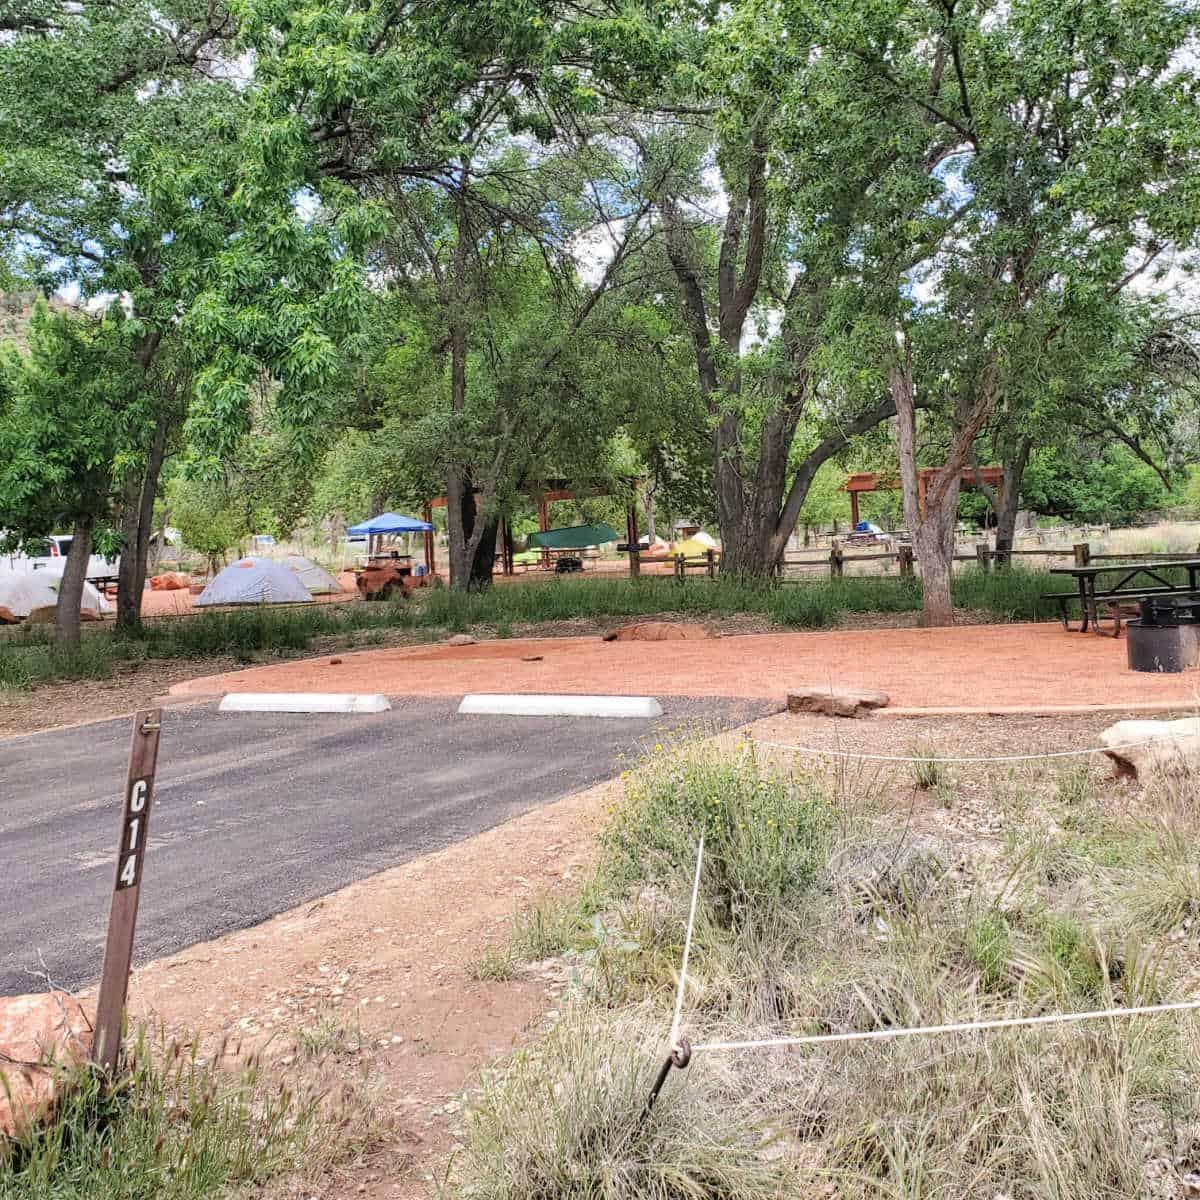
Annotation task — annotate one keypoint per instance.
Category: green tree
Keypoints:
(1043, 158)
(131, 165)
(73, 415)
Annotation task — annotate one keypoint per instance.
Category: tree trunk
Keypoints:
(137, 521)
(458, 499)
(70, 588)
(648, 504)
(927, 528)
(933, 525)
(1010, 503)
(933, 544)
(483, 562)
(460, 502)
(156, 551)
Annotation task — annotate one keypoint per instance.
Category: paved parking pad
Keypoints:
(255, 814)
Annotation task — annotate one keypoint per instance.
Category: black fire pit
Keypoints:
(1159, 641)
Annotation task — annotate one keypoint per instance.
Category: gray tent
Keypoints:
(316, 579)
(254, 581)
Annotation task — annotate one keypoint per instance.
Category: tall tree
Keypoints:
(126, 170)
(74, 409)
(1066, 140)
(763, 234)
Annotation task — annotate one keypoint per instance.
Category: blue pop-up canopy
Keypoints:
(389, 523)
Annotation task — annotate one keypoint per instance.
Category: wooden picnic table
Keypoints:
(1090, 597)
(106, 585)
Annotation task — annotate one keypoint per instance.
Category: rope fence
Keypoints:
(818, 751)
(681, 1049)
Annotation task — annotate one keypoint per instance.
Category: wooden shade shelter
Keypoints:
(867, 481)
(550, 492)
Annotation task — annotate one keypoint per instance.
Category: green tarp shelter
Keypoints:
(577, 537)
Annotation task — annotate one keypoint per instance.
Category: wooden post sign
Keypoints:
(131, 853)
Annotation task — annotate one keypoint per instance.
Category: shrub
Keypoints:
(767, 837)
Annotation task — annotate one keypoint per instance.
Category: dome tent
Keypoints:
(24, 592)
(254, 581)
(315, 579)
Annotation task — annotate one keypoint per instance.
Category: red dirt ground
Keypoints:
(977, 666)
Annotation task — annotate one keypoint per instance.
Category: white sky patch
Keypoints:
(593, 249)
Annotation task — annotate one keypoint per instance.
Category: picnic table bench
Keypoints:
(1125, 590)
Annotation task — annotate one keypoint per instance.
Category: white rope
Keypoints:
(687, 949)
(998, 758)
(879, 1035)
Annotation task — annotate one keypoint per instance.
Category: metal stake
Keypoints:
(679, 1057)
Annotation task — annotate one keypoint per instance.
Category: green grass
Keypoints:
(172, 1129)
(929, 771)
(27, 657)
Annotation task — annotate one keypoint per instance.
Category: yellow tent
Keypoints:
(693, 548)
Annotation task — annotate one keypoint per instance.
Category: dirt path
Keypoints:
(1001, 665)
(136, 684)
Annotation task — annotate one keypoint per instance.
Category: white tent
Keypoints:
(254, 581)
(21, 592)
(316, 579)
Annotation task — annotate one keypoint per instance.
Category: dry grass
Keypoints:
(818, 914)
(1164, 538)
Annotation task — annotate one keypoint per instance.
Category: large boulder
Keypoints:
(834, 702)
(41, 1037)
(658, 631)
(170, 581)
(1143, 749)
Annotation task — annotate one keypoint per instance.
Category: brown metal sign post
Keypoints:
(131, 850)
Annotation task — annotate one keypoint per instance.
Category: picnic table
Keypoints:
(1123, 589)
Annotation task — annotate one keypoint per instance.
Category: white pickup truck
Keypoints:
(53, 556)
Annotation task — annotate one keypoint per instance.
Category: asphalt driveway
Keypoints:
(254, 814)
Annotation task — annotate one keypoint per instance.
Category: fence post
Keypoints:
(1083, 554)
(905, 555)
(835, 560)
(983, 556)
(679, 568)
(635, 563)
(712, 563)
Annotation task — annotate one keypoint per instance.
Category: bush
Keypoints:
(1013, 594)
(767, 837)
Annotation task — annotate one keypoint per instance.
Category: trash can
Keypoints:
(1157, 641)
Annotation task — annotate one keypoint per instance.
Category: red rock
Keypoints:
(834, 702)
(41, 1037)
(170, 581)
(659, 631)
